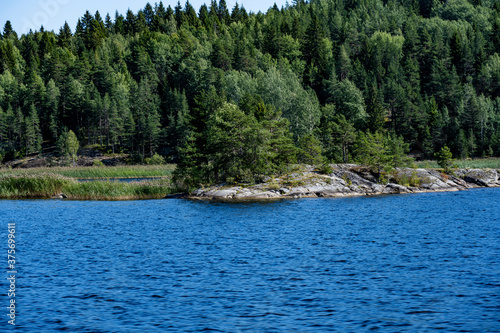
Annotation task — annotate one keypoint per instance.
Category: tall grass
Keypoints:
(99, 172)
(113, 190)
(33, 186)
(47, 185)
(487, 163)
(480, 163)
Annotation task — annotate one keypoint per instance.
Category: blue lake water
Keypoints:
(403, 263)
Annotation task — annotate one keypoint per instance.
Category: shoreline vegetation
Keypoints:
(236, 96)
(98, 172)
(242, 102)
(52, 185)
(339, 180)
(348, 180)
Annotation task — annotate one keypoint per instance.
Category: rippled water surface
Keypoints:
(407, 263)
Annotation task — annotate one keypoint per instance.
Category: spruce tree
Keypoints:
(375, 110)
(33, 135)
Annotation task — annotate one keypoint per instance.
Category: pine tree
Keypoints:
(3, 127)
(119, 27)
(309, 150)
(337, 135)
(129, 25)
(235, 13)
(147, 118)
(97, 31)
(495, 32)
(223, 12)
(140, 23)
(9, 126)
(445, 159)
(18, 128)
(148, 15)
(108, 24)
(8, 31)
(64, 37)
(32, 131)
(115, 127)
(51, 117)
(179, 14)
(343, 64)
(456, 48)
(373, 151)
(190, 14)
(375, 110)
(313, 53)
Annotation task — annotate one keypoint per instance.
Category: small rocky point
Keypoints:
(348, 180)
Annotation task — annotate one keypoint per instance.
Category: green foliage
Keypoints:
(337, 135)
(234, 144)
(349, 101)
(32, 132)
(33, 186)
(372, 151)
(114, 190)
(402, 179)
(398, 149)
(242, 146)
(72, 145)
(375, 110)
(347, 180)
(382, 152)
(46, 185)
(309, 150)
(61, 145)
(415, 181)
(445, 159)
(99, 172)
(154, 160)
(150, 82)
(326, 169)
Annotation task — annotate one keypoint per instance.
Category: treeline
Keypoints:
(313, 78)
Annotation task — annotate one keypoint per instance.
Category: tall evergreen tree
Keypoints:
(375, 110)
(33, 135)
(8, 31)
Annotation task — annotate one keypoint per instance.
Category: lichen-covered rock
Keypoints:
(457, 182)
(395, 188)
(352, 180)
(221, 194)
(263, 195)
(480, 177)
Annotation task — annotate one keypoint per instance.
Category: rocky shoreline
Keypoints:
(351, 180)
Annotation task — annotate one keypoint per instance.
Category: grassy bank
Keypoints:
(99, 172)
(47, 185)
(480, 163)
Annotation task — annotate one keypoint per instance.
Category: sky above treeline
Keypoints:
(31, 14)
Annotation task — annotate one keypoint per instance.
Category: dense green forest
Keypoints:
(228, 93)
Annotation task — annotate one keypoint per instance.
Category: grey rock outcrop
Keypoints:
(480, 177)
(352, 180)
